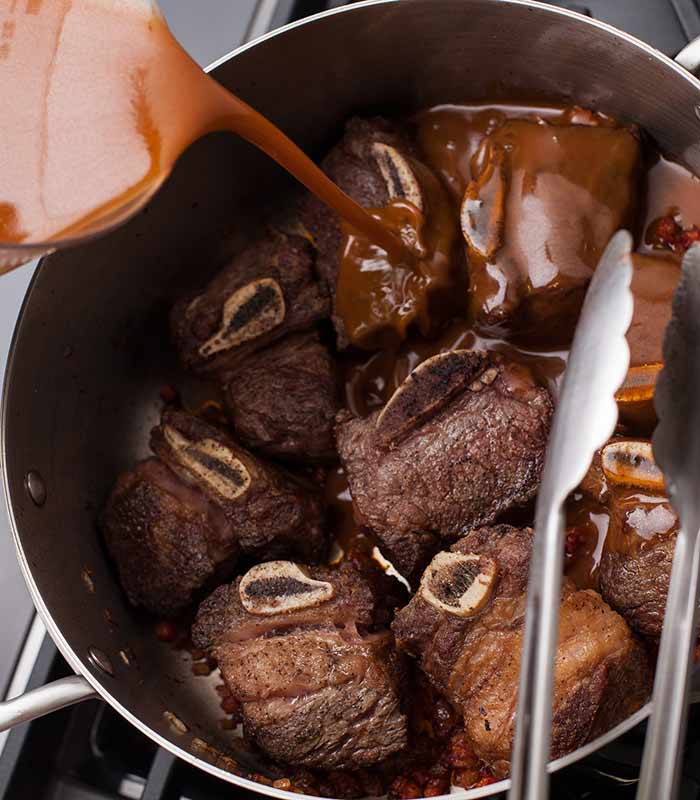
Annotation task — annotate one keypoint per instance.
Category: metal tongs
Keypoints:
(585, 418)
(676, 446)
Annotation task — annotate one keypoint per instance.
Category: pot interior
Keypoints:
(91, 350)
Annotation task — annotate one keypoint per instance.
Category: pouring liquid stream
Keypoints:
(98, 101)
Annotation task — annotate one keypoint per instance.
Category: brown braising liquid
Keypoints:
(346, 534)
(98, 100)
(448, 138)
(627, 522)
(379, 297)
(620, 507)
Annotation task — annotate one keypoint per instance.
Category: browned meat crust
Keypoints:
(265, 292)
(166, 538)
(602, 673)
(461, 442)
(283, 400)
(316, 688)
(636, 583)
(176, 524)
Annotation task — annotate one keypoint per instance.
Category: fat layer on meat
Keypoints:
(319, 685)
(601, 671)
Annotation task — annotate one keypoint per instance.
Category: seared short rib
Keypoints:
(465, 626)
(282, 401)
(177, 522)
(460, 442)
(298, 647)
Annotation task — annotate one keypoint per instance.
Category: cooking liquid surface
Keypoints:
(98, 100)
(448, 138)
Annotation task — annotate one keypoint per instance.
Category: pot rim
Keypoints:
(81, 665)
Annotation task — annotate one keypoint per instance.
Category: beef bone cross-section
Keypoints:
(465, 626)
(296, 646)
(177, 523)
(283, 400)
(625, 489)
(265, 292)
(271, 512)
(543, 204)
(460, 442)
(376, 163)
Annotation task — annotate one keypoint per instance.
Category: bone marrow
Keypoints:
(279, 586)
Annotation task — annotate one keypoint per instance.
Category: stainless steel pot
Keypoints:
(90, 350)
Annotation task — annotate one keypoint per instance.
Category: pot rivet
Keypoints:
(99, 660)
(697, 111)
(36, 488)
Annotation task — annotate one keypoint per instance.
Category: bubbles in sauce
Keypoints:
(651, 517)
(637, 520)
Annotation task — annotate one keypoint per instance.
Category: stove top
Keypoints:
(89, 752)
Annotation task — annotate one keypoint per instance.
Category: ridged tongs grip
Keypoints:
(677, 451)
(585, 418)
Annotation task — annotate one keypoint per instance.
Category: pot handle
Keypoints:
(51, 697)
(689, 57)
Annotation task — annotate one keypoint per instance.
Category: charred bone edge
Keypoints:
(51, 697)
(251, 311)
(230, 480)
(279, 586)
(447, 571)
(409, 404)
